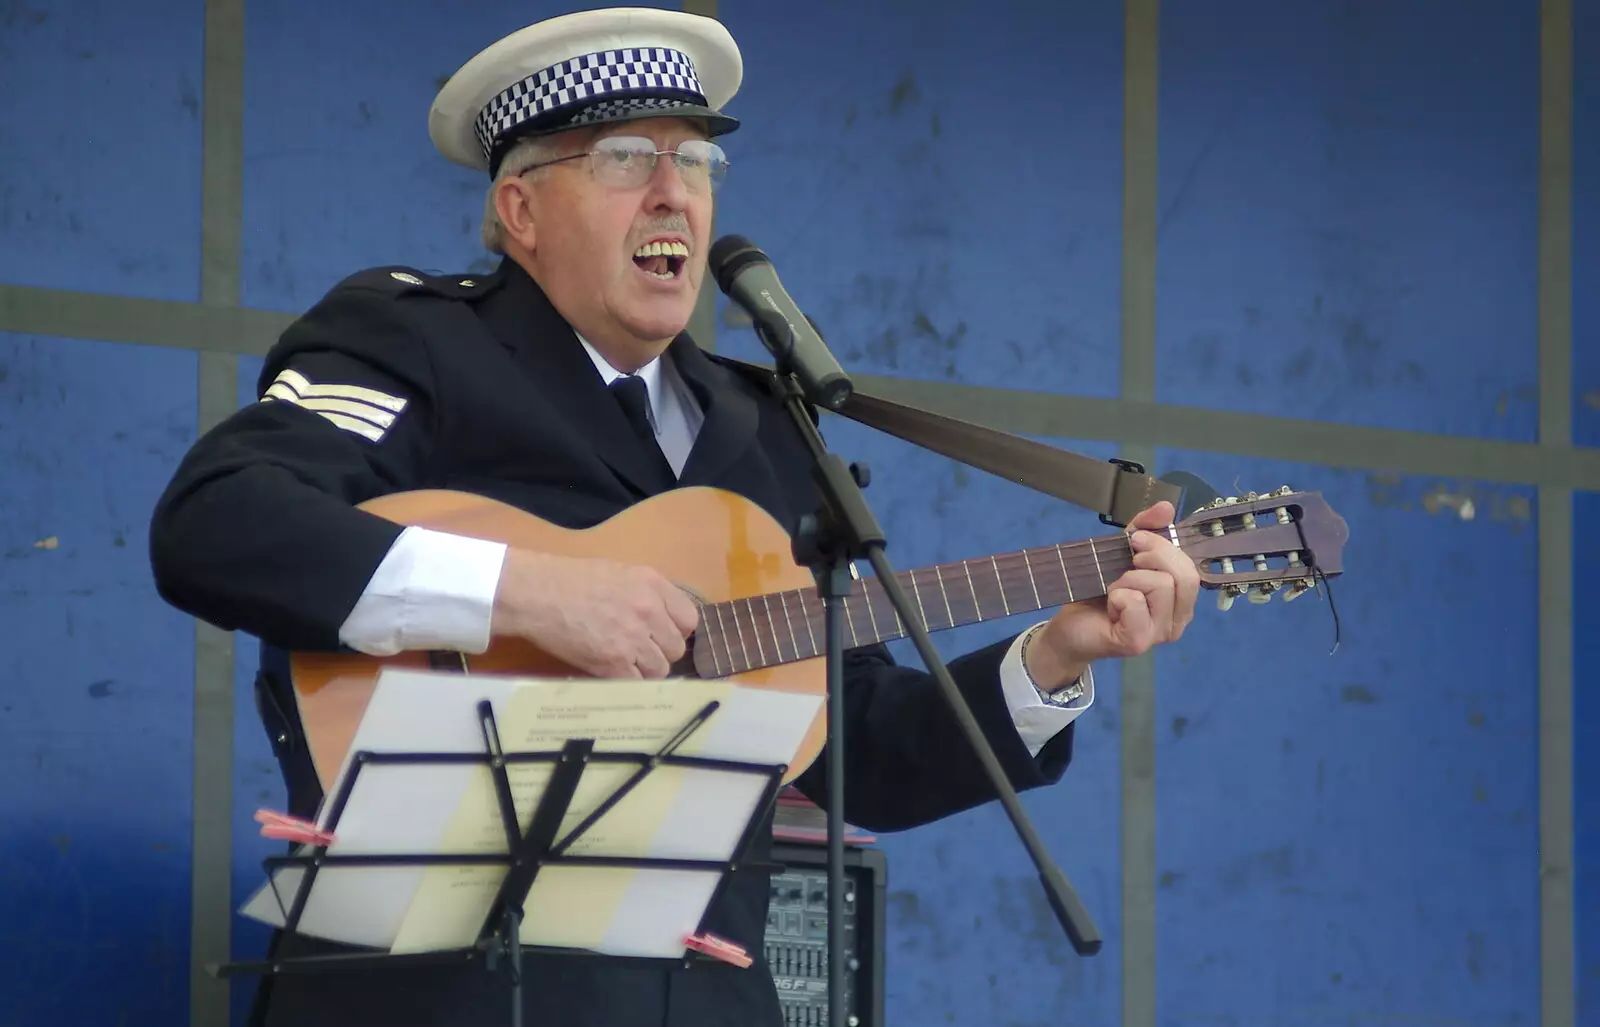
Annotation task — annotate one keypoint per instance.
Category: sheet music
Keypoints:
(675, 812)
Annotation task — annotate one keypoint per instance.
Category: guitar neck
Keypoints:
(782, 627)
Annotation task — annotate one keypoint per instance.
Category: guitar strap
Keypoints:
(1115, 489)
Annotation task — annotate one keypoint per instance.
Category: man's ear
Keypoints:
(513, 203)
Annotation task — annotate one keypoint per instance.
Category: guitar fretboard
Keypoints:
(783, 627)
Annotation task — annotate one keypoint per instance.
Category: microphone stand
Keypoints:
(843, 530)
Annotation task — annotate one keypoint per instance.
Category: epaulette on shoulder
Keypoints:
(398, 281)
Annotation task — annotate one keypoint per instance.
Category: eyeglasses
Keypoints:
(627, 162)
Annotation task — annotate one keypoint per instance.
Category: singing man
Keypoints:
(564, 384)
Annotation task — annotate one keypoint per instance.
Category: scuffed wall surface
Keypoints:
(1354, 837)
(1349, 213)
(100, 146)
(96, 687)
(941, 185)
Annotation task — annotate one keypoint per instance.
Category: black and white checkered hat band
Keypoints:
(645, 72)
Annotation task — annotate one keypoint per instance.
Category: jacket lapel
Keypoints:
(731, 417)
(523, 320)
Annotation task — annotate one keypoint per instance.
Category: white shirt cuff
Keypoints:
(433, 590)
(1038, 721)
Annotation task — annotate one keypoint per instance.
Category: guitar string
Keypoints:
(1015, 576)
(1021, 567)
(760, 626)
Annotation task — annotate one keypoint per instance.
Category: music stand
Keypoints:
(499, 938)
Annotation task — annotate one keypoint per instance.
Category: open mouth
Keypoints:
(663, 260)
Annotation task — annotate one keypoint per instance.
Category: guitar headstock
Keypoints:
(1257, 544)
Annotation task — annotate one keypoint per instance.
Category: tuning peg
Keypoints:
(1262, 593)
(1284, 490)
(1297, 589)
(1227, 595)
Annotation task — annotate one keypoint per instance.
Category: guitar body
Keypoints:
(721, 548)
(715, 544)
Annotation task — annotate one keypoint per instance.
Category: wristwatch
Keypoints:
(1064, 696)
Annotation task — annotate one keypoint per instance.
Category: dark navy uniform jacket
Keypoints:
(258, 533)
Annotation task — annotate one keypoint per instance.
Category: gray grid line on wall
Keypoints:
(217, 395)
(249, 332)
(1140, 105)
(1558, 994)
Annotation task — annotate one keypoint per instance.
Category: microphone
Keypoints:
(747, 277)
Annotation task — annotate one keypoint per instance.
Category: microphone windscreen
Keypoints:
(730, 255)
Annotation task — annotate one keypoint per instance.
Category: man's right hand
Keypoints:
(605, 618)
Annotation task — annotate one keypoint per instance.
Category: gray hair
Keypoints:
(523, 154)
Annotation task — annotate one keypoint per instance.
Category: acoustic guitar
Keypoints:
(761, 616)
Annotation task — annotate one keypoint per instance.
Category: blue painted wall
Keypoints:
(1348, 212)
(100, 138)
(1348, 227)
(100, 191)
(96, 679)
(1354, 837)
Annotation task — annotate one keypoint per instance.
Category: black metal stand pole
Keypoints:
(843, 530)
(837, 588)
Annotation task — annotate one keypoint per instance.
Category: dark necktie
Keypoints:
(634, 397)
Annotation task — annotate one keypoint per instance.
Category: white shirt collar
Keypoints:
(651, 372)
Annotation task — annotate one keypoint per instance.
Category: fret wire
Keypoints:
(709, 637)
(1019, 579)
(755, 629)
(744, 647)
(918, 593)
(1004, 604)
(899, 630)
(977, 608)
(950, 618)
(745, 660)
(872, 618)
(783, 600)
(1025, 558)
(772, 626)
(755, 632)
(868, 596)
(1028, 563)
(1111, 562)
(805, 615)
(722, 629)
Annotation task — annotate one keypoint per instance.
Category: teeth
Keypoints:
(662, 249)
